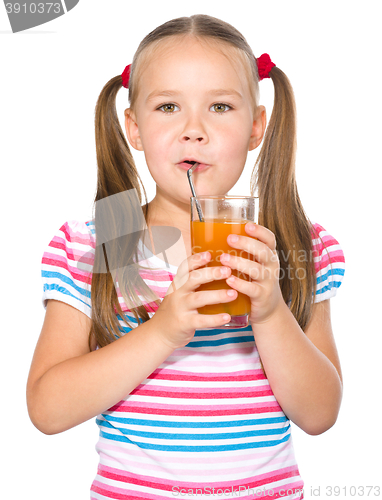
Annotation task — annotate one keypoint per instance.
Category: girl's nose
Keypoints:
(194, 132)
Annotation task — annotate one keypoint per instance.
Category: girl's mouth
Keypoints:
(186, 164)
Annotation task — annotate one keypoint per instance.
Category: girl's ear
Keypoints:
(132, 131)
(258, 128)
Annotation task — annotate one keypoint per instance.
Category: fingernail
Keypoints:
(251, 227)
(225, 256)
(234, 238)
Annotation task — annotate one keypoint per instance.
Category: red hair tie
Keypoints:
(264, 66)
(126, 76)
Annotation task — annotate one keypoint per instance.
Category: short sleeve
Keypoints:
(67, 264)
(329, 263)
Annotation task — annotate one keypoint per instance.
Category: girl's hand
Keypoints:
(263, 289)
(177, 316)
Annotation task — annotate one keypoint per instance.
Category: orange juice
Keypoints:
(211, 236)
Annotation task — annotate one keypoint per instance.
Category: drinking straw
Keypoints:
(198, 207)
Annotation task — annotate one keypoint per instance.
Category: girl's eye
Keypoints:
(220, 107)
(168, 108)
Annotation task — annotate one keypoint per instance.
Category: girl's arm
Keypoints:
(303, 369)
(68, 384)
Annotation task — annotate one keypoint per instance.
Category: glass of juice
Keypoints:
(222, 216)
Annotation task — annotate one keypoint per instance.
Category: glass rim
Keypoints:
(223, 197)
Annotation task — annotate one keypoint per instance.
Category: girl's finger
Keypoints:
(250, 288)
(193, 262)
(208, 297)
(260, 251)
(186, 267)
(262, 234)
(253, 269)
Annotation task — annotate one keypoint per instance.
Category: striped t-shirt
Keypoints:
(205, 423)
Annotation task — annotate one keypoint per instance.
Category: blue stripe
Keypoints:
(131, 319)
(65, 279)
(91, 226)
(331, 272)
(193, 425)
(217, 331)
(124, 329)
(217, 448)
(333, 284)
(230, 340)
(196, 437)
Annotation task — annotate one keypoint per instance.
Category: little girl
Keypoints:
(184, 406)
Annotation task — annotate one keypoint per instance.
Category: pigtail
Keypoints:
(116, 173)
(116, 168)
(281, 210)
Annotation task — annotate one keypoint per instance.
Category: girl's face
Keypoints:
(194, 104)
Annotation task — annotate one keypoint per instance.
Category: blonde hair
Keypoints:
(273, 178)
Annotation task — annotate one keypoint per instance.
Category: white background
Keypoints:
(51, 78)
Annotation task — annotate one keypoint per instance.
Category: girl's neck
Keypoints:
(162, 213)
(165, 212)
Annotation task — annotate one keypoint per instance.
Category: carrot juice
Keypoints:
(212, 236)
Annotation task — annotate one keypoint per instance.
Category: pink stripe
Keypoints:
(63, 244)
(325, 240)
(122, 493)
(192, 390)
(335, 256)
(206, 374)
(211, 377)
(75, 273)
(77, 237)
(122, 302)
(127, 494)
(197, 410)
(149, 306)
(154, 275)
(319, 235)
(211, 393)
(159, 290)
(167, 485)
(317, 229)
(281, 491)
(326, 261)
(319, 250)
(73, 258)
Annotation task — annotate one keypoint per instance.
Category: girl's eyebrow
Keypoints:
(226, 92)
(163, 93)
(172, 93)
